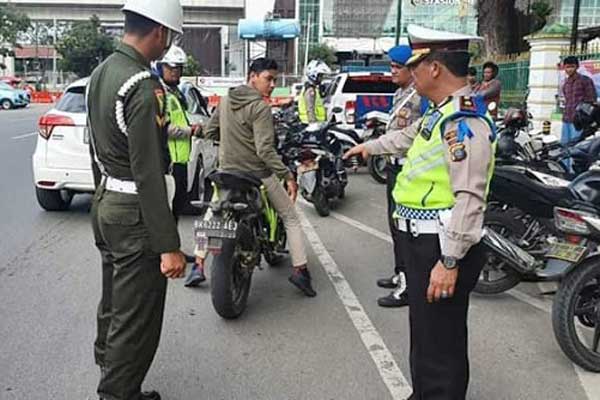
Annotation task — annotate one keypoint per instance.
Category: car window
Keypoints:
(370, 84)
(5, 86)
(73, 100)
(195, 102)
(333, 87)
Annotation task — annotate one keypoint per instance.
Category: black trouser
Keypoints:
(392, 172)
(438, 331)
(130, 312)
(181, 201)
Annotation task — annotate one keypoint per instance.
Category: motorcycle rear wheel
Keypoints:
(230, 281)
(569, 307)
(506, 223)
(376, 166)
(321, 202)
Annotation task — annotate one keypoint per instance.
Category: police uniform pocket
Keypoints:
(124, 215)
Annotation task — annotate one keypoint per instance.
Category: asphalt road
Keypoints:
(339, 345)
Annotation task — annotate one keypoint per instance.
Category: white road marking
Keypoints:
(589, 381)
(387, 367)
(24, 136)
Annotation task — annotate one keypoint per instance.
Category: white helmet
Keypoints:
(175, 57)
(167, 13)
(315, 69)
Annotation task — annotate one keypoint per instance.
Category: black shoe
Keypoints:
(147, 396)
(389, 283)
(394, 299)
(302, 280)
(150, 396)
(195, 277)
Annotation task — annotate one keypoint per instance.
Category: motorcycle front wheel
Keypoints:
(230, 281)
(576, 316)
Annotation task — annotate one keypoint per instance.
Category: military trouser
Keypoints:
(130, 312)
(392, 172)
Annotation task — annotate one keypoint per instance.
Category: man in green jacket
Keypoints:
(134, 228)
(243, 124)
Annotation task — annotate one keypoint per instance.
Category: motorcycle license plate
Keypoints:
(566, 251)
(216, 229)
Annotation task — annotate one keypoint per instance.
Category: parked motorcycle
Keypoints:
(241, 228)
(315, 156)
(549, 232)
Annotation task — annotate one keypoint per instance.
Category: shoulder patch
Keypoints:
(467, 103)
(457, 152)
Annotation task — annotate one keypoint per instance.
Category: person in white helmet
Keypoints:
(180, 133)
(311, 109)
(134, 228)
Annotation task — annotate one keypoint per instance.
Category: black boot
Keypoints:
(302, 280)
(389, 283)
(396, 298)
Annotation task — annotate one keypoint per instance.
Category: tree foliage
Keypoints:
(191, 67)
(12, 23)
(84, 47)
(322, 52)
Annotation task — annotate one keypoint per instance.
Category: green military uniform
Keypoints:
(131, 230)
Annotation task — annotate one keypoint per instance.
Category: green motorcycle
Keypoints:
(239, 228)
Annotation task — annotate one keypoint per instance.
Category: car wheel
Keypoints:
(53, 200)
(6, 104)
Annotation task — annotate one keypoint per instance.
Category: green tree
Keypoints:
(84, 47)
(12, 23)
(191, 67)
(322, 52)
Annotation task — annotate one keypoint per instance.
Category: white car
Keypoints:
(62, 165)
(61, 161)
(345, 88)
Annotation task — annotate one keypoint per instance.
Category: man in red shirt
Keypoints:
(577, 89)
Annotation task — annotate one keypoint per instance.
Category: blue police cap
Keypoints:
(400, 54)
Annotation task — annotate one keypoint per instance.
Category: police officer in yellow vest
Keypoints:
(311, 109)
(441, 196)
(180, 133)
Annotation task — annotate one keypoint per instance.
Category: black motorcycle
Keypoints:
(542, 230)
(240, 229)
(315, 157)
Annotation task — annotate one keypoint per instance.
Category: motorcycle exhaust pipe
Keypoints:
(518, 258)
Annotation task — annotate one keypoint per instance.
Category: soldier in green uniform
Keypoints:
(440, 199)
(134, 227)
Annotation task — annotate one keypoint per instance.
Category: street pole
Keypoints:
(575, 28)
(398, 22)
(54, 71)
(308, 28)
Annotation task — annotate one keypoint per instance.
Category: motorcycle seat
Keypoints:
(235, 180)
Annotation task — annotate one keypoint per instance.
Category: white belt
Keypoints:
(117, 185)
(418, 227)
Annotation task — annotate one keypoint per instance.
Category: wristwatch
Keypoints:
(449, 262)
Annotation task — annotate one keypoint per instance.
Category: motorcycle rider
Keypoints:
(311, 109)
(243, 125)
(180, 133)
(405, 111)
